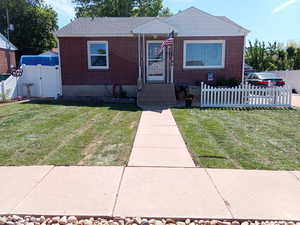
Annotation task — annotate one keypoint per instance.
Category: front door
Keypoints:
(155, 62)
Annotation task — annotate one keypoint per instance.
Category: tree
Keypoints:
(297, 59)
(120, 8)
(275, 56)
(258, 56)
(34, 24)
(291, 53)
(165, 12)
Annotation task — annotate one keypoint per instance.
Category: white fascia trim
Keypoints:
(95, 35)
(223, 42)
(244, 30)
(211, 35)
(89, 55)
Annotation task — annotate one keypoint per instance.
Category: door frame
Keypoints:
(155, 78)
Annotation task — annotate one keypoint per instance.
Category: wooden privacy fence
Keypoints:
(245, 95)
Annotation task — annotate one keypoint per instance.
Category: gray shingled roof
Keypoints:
(124, 26)
(103, 26)
(6, 44)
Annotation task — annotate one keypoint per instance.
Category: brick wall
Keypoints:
(123, 61)
(233, 61)
(7, 58)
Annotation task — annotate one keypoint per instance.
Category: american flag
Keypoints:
(168, 42)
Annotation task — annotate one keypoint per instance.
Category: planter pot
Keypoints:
(188, 103)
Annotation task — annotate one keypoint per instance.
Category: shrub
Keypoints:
(232, 82)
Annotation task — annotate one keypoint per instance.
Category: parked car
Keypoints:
(264, 79)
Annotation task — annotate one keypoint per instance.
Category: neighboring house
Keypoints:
(98, 53)
(52, 52)
(7, 55)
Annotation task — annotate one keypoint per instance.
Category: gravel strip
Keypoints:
(72, 220)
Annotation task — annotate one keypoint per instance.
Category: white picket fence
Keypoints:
(245, 95)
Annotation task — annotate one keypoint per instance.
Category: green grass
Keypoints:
(248, 139)
(66, 133)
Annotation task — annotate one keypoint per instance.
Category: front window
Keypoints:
(97, 54)
(204, 54)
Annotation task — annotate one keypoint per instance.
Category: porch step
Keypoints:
(157, 95)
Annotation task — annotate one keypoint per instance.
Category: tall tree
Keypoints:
(34, 24)
(120, 8)
(297, 59)
(275, 56)
(291, 54)
(258, 56)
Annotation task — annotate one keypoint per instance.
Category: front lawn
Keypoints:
(248, 139)
(66, 133)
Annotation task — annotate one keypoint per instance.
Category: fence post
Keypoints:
(3, 91)
(290, 92)
(201, 94)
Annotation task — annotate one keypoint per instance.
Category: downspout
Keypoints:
(139, 83)
(244, 57)
(59, 68)
(144, 57)
(172, 62)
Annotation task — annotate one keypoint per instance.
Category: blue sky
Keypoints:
(268, 20)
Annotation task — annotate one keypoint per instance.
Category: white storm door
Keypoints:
(155, 61)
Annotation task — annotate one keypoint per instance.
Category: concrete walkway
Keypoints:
(159, 143)
(161, 180)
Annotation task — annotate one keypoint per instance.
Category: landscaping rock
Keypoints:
(223, 223)
(55, 219)
(168, 221)
(138, 220)
(180, 223)
(72, 219)
(213, 222)
(158, 222)
(235, 223)
(3, 220)
(152, 221)
(63, 220)
(187, 221)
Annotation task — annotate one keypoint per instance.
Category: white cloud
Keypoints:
(62, 6)
(283, 6)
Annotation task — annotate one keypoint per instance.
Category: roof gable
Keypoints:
(203, 24)
(155, 26)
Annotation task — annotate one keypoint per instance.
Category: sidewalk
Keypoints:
(161, 180)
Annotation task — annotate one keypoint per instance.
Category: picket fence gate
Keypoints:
(245, 95)
(8, 88)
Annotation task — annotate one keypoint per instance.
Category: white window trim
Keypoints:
(223, 42)
(89, 55)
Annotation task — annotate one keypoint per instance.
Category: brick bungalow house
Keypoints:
(97, 55)
(7, 55)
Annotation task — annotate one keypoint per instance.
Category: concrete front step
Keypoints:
(157, 95)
